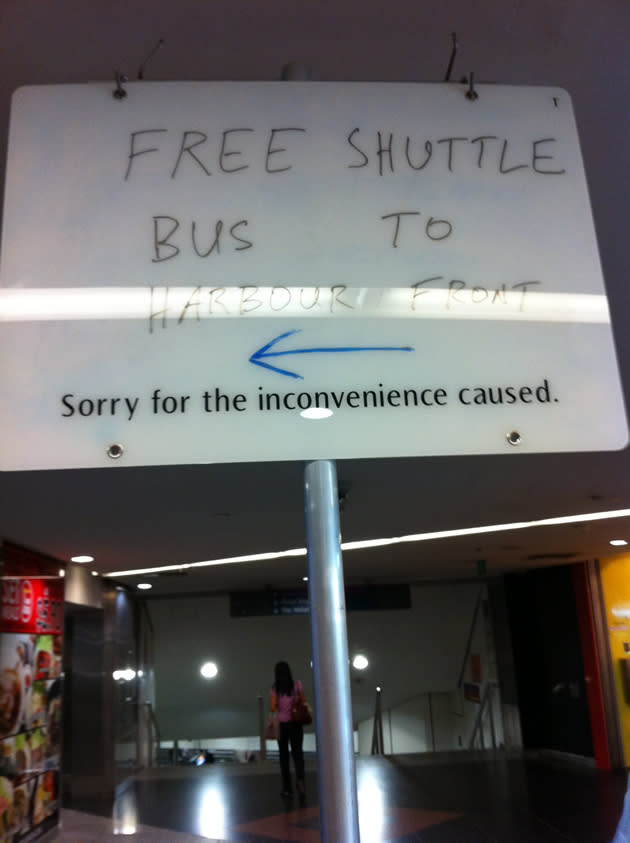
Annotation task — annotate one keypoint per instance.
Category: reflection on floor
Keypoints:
(80, 827)
(439, 799)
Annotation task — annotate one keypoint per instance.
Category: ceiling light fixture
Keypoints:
(316, 413)
(127, 674)
(359, 662)
(618, 542)
(368, 543)
(144, 586)
(82, 559)
(230, 560)
(209, 670)
(66, 303)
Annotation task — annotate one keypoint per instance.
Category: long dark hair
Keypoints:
(283, 684)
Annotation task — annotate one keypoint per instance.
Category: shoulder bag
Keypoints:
(300, 710)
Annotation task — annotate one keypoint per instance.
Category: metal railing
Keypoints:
(478, 729)
(153, 736)
(378, 747)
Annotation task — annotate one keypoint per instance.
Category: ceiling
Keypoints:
(145, 517)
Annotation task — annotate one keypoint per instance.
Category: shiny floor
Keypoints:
(477, 799)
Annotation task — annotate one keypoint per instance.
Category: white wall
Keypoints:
(445, 720)
(411, 652)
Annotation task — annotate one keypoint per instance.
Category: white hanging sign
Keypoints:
(190, 271)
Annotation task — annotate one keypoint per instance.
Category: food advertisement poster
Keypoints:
(31, 627)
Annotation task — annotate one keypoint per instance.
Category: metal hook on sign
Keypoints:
(451, 62)
(120, 92)
(471, 94)
(157, 47)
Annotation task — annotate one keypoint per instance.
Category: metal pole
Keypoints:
(261, 730)
(380, 725)
(296, 72)
(150, 741)
(491, 716)
(391, 734)
(339, 815)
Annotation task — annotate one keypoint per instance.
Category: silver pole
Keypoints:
(296, 72)
(262, 746)
(338, 804)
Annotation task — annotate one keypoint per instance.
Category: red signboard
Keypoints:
(31, 668)
(475, 668)
(32, 605)
(472, 692)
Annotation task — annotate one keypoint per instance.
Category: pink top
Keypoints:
(283, 704)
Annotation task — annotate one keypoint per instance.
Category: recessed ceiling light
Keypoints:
(127, 674)
(62, 572)
(82, 559)
(316, 413)
(360, 662)
(304, 579)
(94, 573)
(209, 670)
(144, 586)
(618, 542)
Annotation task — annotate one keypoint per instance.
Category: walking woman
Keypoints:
(284, 692)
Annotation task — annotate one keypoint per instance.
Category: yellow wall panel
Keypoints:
(615, 575)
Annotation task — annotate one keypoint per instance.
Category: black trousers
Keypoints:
(291, 734)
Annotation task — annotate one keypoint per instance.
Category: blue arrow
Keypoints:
(264, 352)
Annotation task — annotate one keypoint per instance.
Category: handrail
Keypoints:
(471, 632)
(378, 747)
(154, 734)
(485, 701)
(473, 736)
(418, 695)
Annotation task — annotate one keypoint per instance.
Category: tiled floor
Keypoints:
(403, 799)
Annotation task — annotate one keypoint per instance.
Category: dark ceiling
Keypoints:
(141, 517)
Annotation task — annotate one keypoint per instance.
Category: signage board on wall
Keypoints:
(188, 272)
(31, 634)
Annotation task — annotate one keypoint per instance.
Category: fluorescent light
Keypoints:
(144, 586)
(490, 528)
(618, 542)
(230, 560)
(368, 543)
(316, 413)
(405, 302)
(82, 559)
